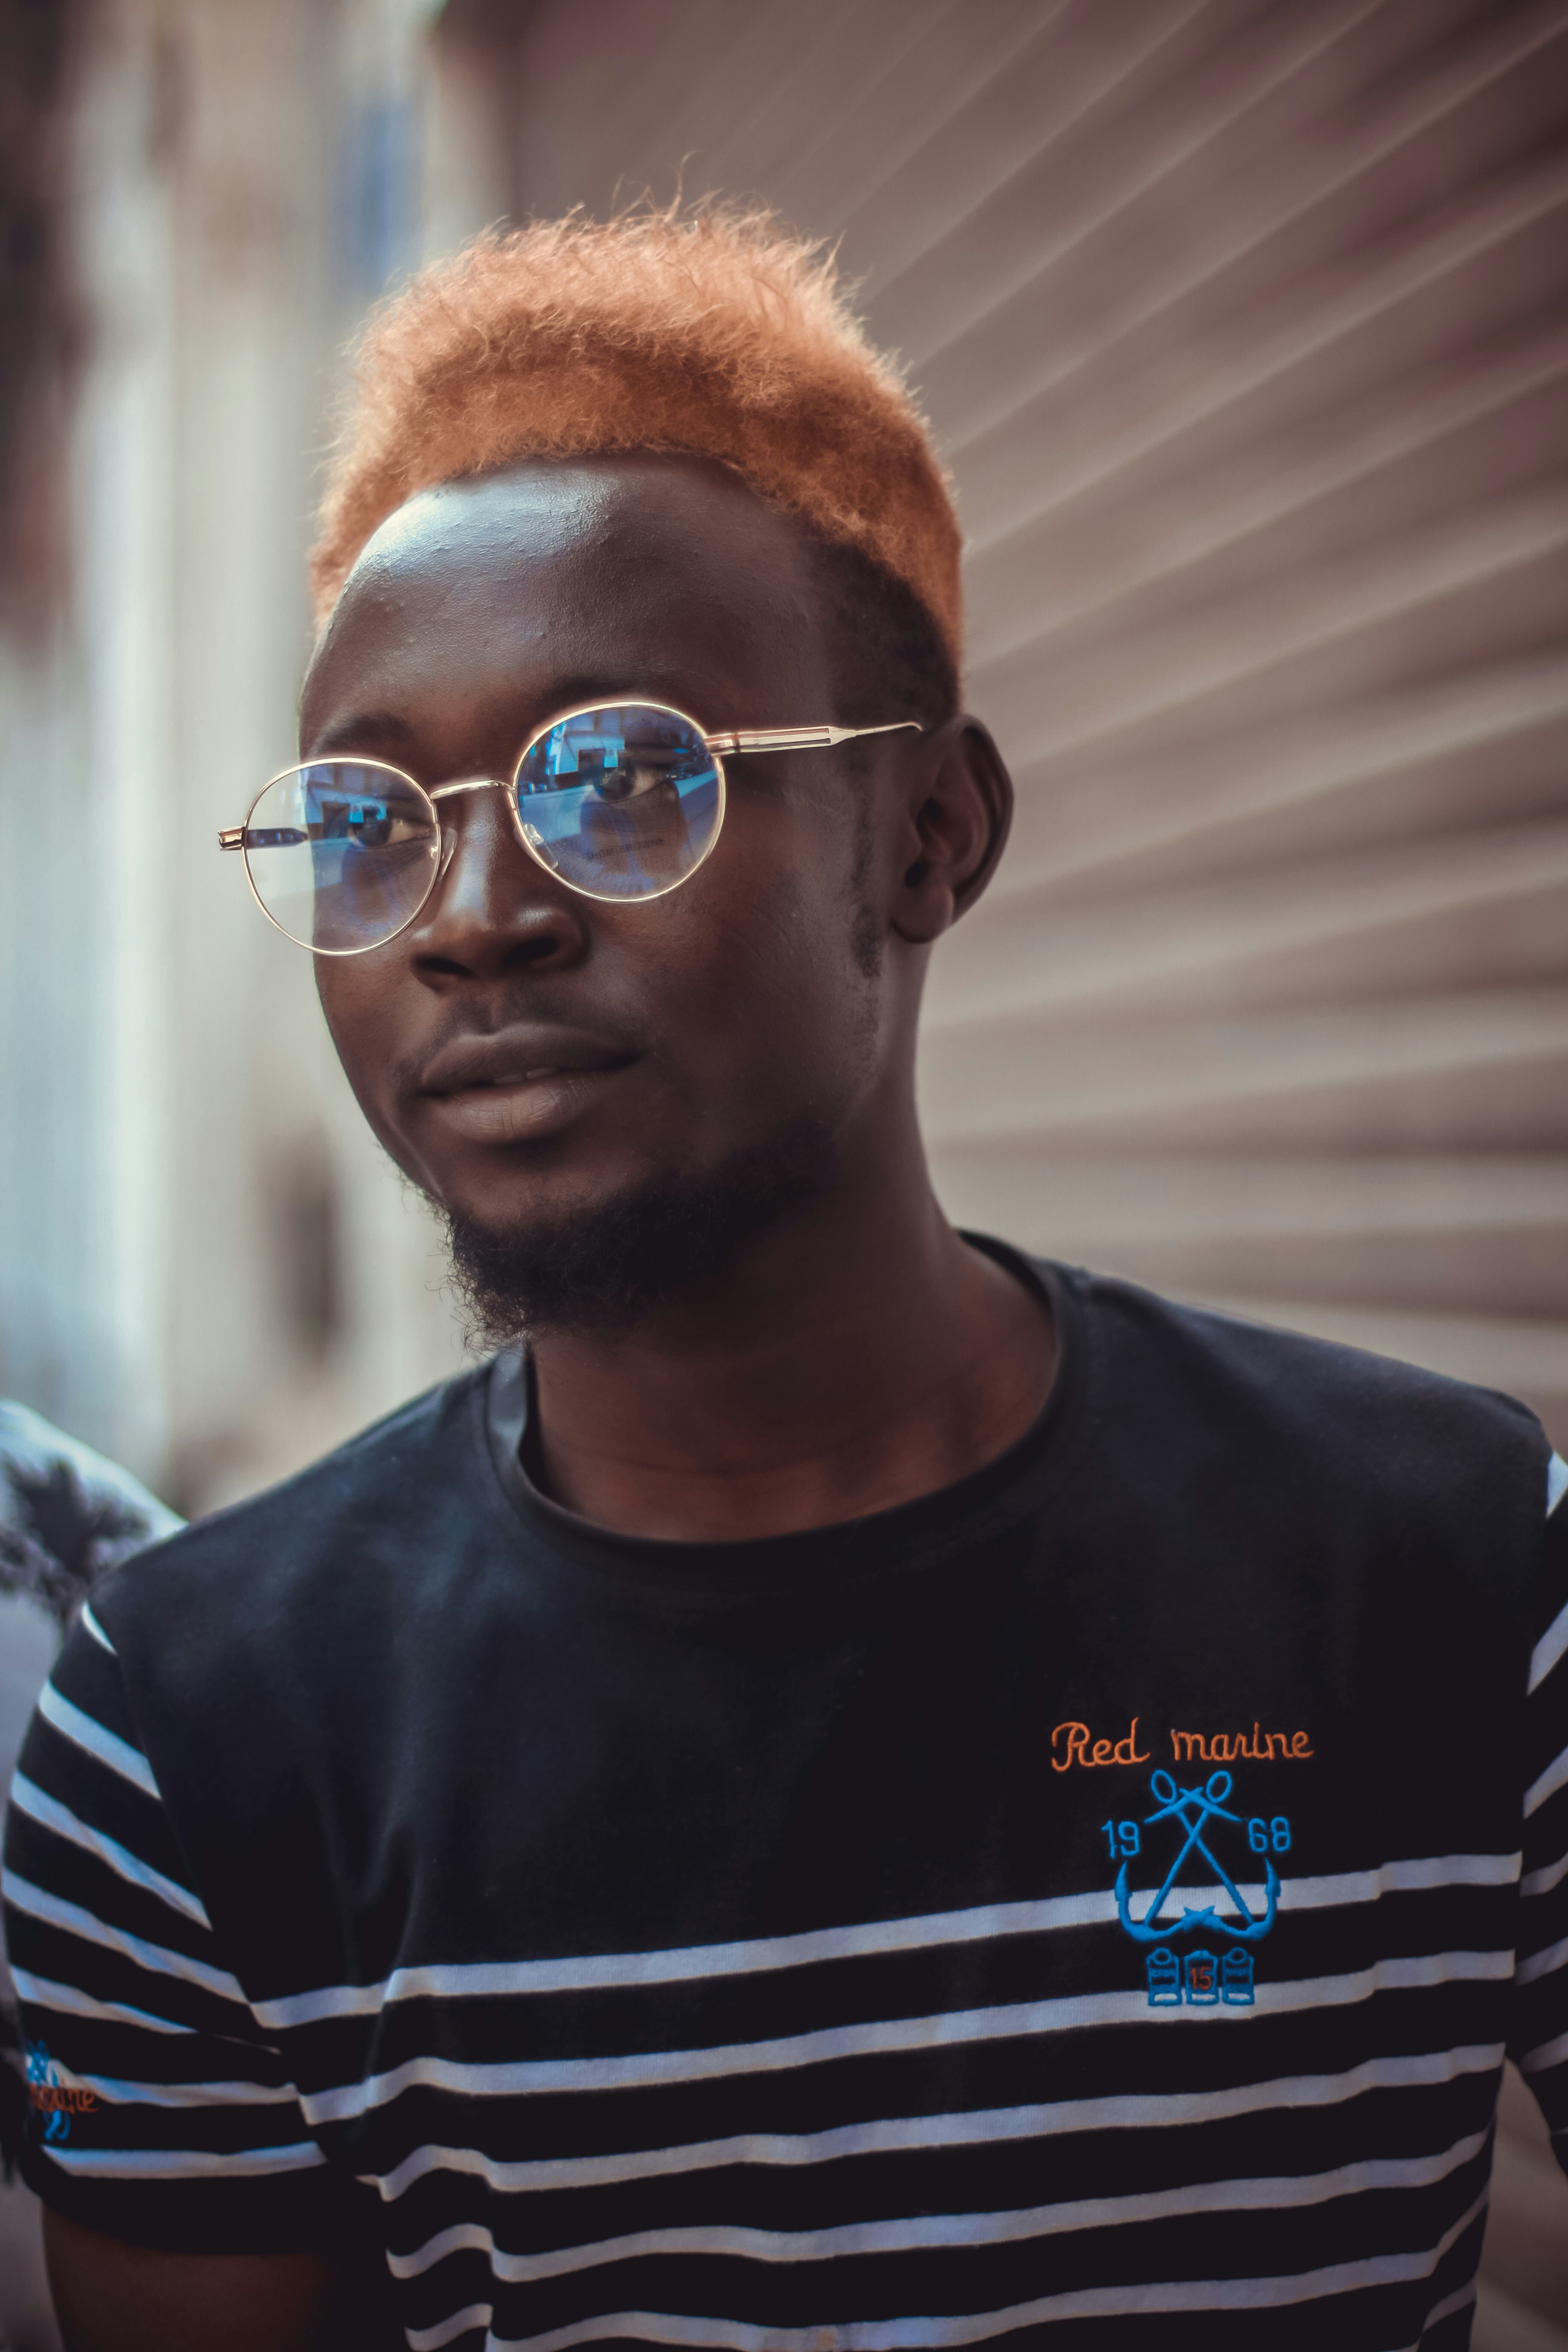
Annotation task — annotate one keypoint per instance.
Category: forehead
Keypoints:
(502, 600)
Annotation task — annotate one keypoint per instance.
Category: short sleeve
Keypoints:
(1539, 2037)
(158, 2111)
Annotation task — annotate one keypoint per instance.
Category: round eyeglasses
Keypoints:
(618, 801)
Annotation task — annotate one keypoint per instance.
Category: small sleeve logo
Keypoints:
(52, 2101)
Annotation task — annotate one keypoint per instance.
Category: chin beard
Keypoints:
(602, 1266)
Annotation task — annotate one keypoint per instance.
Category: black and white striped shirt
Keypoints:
(1092, 1902)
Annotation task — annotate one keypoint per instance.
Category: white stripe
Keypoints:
(580, 1972)
(1547, 1650)
(75, 1921)
(95, 1629)
(1542, 1881)
(1540, 1964)
(39, 1992)
(116, 2094)
(976, 2128)
(1460, 2300)
(1428, 1870)
(1556, 1483)
(1550, 1781)
(52, 1815)
(1546, 2055)
(473, 2314)
(921, 2233)
(1130, 2301)
(186, 2163)
(947, 2030)
(107, 1746)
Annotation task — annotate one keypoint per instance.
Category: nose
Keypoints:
(494, 909)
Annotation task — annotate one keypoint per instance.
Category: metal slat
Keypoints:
(1019, 236)
(1120, 955)
(1078, 818)
(1113, 1203)
(1301, 332)
(1132, 685)
(1022, 1078)
(973, 52)
(1491, 1238)
(1301, 182)
(1246, 504)
(1093, 57)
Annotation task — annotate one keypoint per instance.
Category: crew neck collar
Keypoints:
(919, 1533)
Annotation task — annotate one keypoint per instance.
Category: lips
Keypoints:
(518, 1085)
(523, 1055)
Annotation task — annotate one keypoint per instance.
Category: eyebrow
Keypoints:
(361, 726)
(653, 681)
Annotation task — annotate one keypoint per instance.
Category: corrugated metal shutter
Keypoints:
(1245, 330)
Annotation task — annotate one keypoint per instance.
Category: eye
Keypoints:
(637, 772)
(401, 828)
(372, 823)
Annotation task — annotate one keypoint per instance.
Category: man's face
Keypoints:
(539, 1062)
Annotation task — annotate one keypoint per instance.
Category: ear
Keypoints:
(957, 815)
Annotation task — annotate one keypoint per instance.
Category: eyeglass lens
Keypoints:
(340, 854)
(621, 801)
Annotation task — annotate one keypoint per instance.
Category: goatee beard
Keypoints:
(604, 1266)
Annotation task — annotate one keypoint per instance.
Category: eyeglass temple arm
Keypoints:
(801, 739)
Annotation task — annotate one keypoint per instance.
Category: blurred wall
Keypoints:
(205, 1266)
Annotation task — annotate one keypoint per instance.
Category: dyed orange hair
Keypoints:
(712, 332)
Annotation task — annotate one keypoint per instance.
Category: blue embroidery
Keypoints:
(1196, 1979)
(1261, 1834)
(1164, 1980)
(43, 2074)
(1195, 1808)
(1236, 1978)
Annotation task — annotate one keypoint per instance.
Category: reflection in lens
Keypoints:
(621, 801)
(341, 852)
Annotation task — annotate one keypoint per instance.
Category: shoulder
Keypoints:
(313, 1548)
(1324, 1424)
(287, 1640)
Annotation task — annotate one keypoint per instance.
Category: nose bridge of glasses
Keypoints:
(532, 840)
(471, 784)
(448, 792)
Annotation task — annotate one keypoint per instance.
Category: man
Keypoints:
(847, 1788)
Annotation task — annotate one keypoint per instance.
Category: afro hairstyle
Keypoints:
(708, 331)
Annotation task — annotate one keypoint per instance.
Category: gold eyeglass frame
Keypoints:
(736, 742)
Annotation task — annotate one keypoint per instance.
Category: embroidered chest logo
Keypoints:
(1201, 1978)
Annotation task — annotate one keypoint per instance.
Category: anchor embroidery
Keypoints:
(1195, 1808)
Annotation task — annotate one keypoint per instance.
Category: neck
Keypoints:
(856, 1354)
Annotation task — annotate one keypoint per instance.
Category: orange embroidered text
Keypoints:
(1226, 1747)
(55, 2097)
(1073, 1743)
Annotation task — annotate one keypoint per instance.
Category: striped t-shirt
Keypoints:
(1089, 1904)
